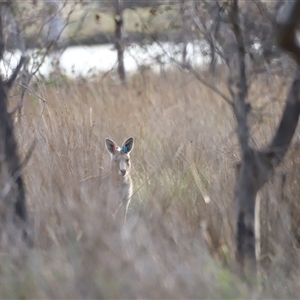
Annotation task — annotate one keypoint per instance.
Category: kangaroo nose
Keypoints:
(123, 172)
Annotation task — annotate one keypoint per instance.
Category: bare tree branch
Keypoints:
(207, 83)
(285, 132)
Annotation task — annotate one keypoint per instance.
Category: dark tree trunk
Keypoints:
(12, 186)
(184, 33)
(257, 167)
(12, 193)
(119, 40)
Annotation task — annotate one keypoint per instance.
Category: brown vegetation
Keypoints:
(179, 239)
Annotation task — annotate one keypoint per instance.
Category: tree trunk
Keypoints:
(12, 193)
(257, 167)
(255, 171)
(119, 40)
(184, 32)
(12, 189)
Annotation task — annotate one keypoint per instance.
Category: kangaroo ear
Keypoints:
(110, 146)
(127, 146)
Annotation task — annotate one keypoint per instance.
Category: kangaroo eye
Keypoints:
(127, 160)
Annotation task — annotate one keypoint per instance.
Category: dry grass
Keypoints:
(178, 242)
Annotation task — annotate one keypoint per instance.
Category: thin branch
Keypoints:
(29, 154)
(33, 92)
(196, 74)
(187, 66)
(209, 85)
(53, 42)
(20, 104)
(207, 34)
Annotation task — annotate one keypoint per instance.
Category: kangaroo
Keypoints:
(119, 180)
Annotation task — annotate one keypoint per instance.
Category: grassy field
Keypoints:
(179, 240)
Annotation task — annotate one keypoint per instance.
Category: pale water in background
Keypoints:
(90, 60)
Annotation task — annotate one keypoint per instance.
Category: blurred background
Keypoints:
(164, 72)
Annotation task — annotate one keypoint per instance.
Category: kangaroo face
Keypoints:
(121, 163)
(120, 156)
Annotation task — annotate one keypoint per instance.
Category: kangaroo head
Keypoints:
(120, 159)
